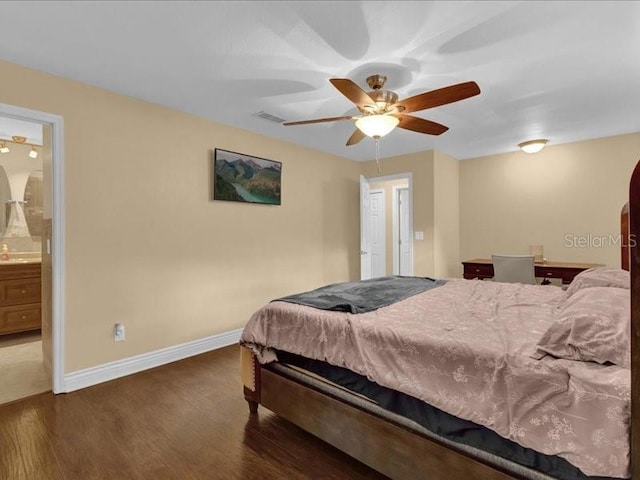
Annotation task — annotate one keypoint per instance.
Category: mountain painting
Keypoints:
(243, 178)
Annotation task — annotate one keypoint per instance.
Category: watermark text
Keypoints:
(589, 240)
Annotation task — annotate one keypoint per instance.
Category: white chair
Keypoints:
(514, 269)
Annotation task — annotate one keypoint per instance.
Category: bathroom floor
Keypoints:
(22, 372)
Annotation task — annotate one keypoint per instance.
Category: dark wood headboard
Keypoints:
(624, 231)
(633, 263)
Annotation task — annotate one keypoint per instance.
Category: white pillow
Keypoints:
(593, 325)
(600, 277)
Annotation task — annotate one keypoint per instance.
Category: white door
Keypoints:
(365, 230)
(404, 232)
(378, 244)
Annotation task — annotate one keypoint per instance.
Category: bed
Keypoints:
(312, 394)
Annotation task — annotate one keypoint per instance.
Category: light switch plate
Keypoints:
(419, 235)
(118, 332)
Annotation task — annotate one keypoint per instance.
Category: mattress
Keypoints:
(515, 458)
(466, 348)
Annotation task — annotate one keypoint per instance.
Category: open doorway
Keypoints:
(401, 226)
(22, 349)
(31, 252)
(386, 240)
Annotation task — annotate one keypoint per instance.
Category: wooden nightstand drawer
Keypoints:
(544, 272)
(20, 317)
(18, 292)
(478, 270)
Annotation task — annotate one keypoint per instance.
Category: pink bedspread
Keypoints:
(466, 348)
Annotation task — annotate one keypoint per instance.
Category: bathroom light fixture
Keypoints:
(377, 126)
(533, 146)
(19, 140)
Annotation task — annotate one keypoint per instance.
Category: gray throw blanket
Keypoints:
(365, 295)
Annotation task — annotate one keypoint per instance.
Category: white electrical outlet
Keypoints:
(118, 332)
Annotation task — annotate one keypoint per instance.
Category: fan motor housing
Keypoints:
(383, 98)
(376, 82)
(386, 96)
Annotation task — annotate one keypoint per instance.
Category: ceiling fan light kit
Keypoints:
(533, 146)
(382, 112)
(377, 126)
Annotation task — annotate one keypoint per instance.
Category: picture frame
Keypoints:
(238, 177)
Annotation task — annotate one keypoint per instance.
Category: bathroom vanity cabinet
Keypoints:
(20, 294)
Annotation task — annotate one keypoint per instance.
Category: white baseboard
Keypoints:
(120, 368)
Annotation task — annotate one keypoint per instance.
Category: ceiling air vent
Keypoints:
(269, 117)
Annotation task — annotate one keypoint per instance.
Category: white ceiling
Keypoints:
(565, 71)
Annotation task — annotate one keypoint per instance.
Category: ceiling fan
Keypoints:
(382, 112)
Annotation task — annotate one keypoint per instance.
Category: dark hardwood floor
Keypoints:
(186, 420)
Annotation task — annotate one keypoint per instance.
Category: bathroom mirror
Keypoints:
(5, 196)
(33, 204)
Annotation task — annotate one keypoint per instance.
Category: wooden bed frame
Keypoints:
(404, 454)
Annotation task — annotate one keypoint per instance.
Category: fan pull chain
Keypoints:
(378, 154)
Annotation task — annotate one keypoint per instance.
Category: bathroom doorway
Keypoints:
(22, 349)
(30, 312)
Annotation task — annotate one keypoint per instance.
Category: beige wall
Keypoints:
(388, 209)
(446, 216)
(513, 200)
(435, 209)
(144, 244)
(420, 165)
(146, 247)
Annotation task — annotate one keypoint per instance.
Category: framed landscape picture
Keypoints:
(242, 178)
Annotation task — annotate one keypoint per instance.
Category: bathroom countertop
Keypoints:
(19, 261)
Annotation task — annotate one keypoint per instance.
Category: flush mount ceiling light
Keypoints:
(533, 146)
(376, 126)
(19, 140)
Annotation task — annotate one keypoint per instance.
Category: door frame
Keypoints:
(384, 230)
(56, 123)
(408, 176)
(395, 225)
(365, 230)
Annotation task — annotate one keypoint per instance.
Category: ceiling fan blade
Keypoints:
(442, 96)
(352, 91)
(420, 125)
(319, 120)
(356, 137)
